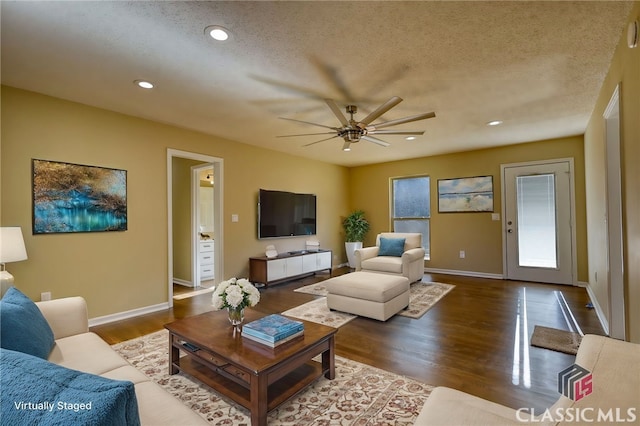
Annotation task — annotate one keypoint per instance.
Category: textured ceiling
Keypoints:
(538, 66)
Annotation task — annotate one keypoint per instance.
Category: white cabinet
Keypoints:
(281, 268)
(288, 266)
(276, 269)
(206, 260)
(316, 261)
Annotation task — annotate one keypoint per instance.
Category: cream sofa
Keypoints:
(410, 264)
(615, 396)
(79, 349)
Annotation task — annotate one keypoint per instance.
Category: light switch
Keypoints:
(234, 218)
(495, 216)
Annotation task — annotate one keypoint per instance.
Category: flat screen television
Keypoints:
(285, 214)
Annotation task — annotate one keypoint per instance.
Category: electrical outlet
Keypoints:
(234, 218)
(462, 254)
(45, 296)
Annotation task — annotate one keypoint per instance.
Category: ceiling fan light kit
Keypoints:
(352, 131)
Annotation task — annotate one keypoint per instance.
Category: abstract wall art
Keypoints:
(76, 198)
(471, 194)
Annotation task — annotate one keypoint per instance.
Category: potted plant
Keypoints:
(355, 228)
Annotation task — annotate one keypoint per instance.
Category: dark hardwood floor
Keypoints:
(476, 339)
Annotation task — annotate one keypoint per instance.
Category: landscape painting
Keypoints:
(472, 194)
(76, 198)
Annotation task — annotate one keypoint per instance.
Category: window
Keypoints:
(411, 207)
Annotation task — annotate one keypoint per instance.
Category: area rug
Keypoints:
(423, 296)
(317, 311)
(555, 339)
(359, 395)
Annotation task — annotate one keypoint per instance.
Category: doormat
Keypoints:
(556, 340)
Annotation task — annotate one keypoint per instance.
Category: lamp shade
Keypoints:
(12, 245)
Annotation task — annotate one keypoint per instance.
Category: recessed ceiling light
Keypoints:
(144, 84)
(494, 123)
(217, 32)
(410, 138)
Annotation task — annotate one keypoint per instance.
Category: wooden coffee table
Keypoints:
(254, 375)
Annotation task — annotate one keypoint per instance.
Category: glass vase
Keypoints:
(236, 316)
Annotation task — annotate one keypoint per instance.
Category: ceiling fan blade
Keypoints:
(336, 111)
(395, 132)
(405, 120)
(305, 134)
(321, 140)
(374, 140)
(308, 122)
(379, 111)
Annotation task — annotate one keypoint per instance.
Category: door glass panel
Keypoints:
(537, 245)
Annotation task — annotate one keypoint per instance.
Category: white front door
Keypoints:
(538, 221)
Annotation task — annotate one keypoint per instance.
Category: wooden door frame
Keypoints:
(218, 173)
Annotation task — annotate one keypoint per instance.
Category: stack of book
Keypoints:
(273, 330)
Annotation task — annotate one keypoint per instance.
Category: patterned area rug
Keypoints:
(556, 340)
(317, 311)
(423, 296)
(359, 395)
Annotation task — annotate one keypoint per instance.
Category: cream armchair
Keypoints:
(388, 256)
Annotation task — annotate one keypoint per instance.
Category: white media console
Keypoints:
(288, 266)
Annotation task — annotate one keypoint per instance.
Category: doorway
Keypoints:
(538, 213)
(615, 264)
(191, 222)
(202, 218)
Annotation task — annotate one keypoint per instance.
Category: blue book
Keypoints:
(273, 344)
(275, 338)
(272, 327)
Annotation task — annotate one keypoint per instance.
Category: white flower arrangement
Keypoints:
(235, 293)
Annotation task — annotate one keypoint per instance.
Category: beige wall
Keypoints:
(625, 70)
(121, 271)
(475, 233)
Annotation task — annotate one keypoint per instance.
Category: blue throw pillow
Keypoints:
(391, 247)
(23, 328)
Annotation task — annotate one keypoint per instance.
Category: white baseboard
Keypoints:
(183, 282)
(128, 314)
(599, 312)
(464, 273)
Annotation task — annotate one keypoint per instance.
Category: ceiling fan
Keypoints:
(353, 131)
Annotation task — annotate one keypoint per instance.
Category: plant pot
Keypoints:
(351, 248)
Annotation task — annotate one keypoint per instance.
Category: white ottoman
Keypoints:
(368, 294)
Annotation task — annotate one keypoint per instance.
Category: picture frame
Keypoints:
(465, 195)
(70, 198)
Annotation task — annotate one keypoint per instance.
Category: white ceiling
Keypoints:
(538, 66)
